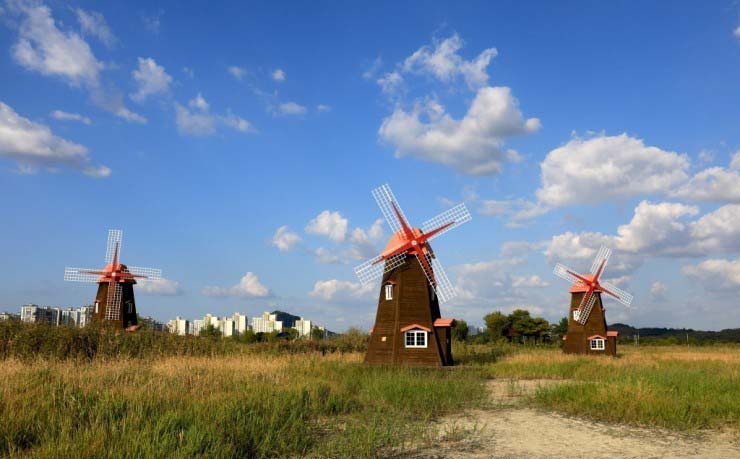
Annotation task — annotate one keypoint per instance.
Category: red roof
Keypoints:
(612, 333)
(413, 326)
(444, 322)
(580, 287)
(594, 337)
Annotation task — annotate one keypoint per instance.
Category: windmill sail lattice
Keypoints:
(115, 282)
(412, 241)
(591, 285)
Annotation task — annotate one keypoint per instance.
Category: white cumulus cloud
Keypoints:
(606, 167)
(291, 108)
(33, 145)
(284, 239)
(249, 286)
(715, 184)
(278, 75)
(194, 123)
(151, 79)
(237, 72)
(656, 230)
(166, 287)
(66, 116)
(93, 24)
(329, 224)
(44, 48)
(443, 61)
(716, 273)
(473, 145)
(334, 289)
(197, 120)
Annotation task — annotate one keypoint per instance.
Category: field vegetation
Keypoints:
(676, 387)
(91, 393)
(211, 398)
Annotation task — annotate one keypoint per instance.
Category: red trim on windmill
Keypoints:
(589, 284)
(407, 240)
(114, 274)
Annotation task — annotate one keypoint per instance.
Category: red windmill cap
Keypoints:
(398, 239)
(580, 287)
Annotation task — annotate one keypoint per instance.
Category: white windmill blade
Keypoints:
(438, 278)
(584, 310)
(603, 255)
(623, 297)
(113, 306)
(457, 216)
(115, 237)
(149, 273)
(376, 267)
(384, 197)
(80, 275)
(564, 272)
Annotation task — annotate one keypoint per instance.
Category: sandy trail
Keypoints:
(510, 430)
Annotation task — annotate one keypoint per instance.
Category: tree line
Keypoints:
(519, 326)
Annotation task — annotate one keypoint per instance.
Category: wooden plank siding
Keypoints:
(576, 340)
(414, 302)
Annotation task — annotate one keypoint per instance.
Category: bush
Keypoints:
(32, 341)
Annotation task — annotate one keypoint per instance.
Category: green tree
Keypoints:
(497, 325)
(211, 331)
(290, 334)
(317, 334)
(540, 328)
(521, 323)
(460, 330)
(561, 328)
(248, 337)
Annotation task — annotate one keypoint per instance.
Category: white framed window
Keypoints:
(97, 305)
(388, 291)
(576, 315)
(130, 306)
(597, 344)
(416, 338)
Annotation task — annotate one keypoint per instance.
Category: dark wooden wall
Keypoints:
(576, 341)
(127, 295)
(414, 302)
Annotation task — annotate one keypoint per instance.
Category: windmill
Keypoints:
(408, 326)
(586, 320)
(114, 303)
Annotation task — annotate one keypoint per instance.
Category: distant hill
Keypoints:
(287, 318)
(729, 335)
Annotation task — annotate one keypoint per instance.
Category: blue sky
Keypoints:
(237, 145)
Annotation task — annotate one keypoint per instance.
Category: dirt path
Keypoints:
(510, 430)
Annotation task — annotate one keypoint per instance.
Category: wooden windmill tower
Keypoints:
(408, 326)
(114, 303)
(587, 332)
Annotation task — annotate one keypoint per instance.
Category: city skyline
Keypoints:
(239, 156)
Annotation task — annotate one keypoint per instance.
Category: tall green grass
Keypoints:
(30, 342)
(222, 407)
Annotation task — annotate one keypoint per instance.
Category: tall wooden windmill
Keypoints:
(408, 326)
(587, 332)
(114, 303)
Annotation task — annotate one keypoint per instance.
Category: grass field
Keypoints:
(222, 407)
(228, 400)
(677, 387)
